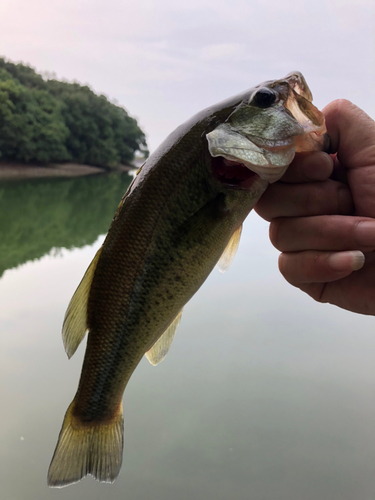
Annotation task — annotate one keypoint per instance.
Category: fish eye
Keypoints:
(263, 98)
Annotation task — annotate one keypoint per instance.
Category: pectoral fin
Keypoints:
(75, 321)
(230, 251)
(160, 349)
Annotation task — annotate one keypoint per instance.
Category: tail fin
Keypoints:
(83, 449)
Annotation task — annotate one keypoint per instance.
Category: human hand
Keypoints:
(322, 214)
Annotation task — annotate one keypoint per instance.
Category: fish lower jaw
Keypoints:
(271, 173)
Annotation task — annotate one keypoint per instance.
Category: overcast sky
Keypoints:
(164, 60)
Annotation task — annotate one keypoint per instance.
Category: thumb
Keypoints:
(352, 134)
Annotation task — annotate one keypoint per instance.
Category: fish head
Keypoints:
(275, 120)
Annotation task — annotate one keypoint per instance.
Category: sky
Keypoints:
(163, 61)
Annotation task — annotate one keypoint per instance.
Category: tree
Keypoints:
(101, 133)
(50, 121)
(32, 128)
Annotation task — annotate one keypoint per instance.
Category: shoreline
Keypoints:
(19, 171)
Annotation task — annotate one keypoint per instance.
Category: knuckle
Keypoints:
(341, 106)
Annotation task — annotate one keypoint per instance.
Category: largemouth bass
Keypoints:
(181, 215)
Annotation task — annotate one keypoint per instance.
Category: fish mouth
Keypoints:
(267, 158)
(233, 174)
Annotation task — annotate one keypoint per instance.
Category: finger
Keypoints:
(298, 200)
(333, 232)
(339, 173)
(352, 133)
(300, 268)
(309, 167)
(354, 292)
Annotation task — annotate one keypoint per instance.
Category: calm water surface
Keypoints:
(264, 395)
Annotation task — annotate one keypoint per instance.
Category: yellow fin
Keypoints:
(230, 251)
(160, 349)
(75, 321)
(87, 448)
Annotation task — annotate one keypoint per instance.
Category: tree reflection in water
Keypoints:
(40, 215)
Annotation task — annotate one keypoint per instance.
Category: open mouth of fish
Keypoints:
(236, 174)
(240, 167)
(233, 173)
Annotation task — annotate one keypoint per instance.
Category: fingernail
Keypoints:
(346, 261)
(365, 233)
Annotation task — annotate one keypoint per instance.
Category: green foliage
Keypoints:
(31, 124)
(52, 121)
(23, 74)
(41, 215)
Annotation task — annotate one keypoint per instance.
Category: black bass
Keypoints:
(181, 215)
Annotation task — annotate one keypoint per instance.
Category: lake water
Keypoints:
(264, 395)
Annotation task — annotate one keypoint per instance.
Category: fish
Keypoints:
(181, 215)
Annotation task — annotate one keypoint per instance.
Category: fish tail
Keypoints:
(87, 448)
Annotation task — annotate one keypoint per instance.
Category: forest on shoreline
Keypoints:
(46, 121)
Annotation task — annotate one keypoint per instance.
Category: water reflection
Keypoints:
(265, 395)
(36, 216)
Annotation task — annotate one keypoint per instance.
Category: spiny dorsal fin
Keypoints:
(75, 321)
(230, 251)
(160, 349)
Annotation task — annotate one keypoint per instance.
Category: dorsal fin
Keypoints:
(230, 251)
(160, 349)
(75, 321)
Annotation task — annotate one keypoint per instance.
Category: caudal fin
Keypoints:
(83, 448)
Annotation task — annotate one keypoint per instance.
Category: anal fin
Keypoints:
(160, 349)
(230, 251)
(75, 321)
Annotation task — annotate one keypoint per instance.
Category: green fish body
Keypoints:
(182, 212)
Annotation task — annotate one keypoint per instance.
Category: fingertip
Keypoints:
(283, 264)
(309, 167)
(317, 166)
(307, 267)
(346, 261)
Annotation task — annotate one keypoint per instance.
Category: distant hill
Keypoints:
(46, 120)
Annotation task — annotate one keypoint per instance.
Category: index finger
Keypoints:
(309, 167)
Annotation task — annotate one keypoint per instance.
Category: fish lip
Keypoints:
(272, 144)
